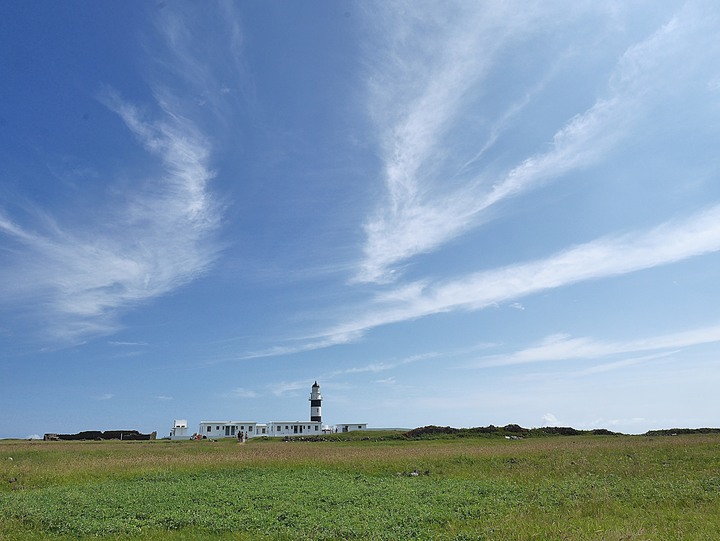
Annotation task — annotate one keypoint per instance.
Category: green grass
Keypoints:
(579, 488)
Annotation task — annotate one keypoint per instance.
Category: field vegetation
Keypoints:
(371, 486)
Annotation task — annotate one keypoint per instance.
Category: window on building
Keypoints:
(316, 428)
(250, 429)
(209, 429)
(359, 427)
(286, 427)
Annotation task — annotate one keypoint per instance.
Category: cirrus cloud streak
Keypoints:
(147, 243)
(604, 258)
(429, 201)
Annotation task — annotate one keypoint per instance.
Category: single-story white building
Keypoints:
(294, 428)
(230, 429)
(350, 427)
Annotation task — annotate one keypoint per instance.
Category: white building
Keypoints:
(294, 428)
(350, 427)
(231, 429)
(180, 430)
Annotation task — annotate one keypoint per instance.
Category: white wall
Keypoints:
(227, 429)
(350, 427)
(179, 433)
(294, 428)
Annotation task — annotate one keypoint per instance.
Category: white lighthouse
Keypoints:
(315, 403)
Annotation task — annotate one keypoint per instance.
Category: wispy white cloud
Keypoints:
(202, 52)
(416, 92)
(155, 232)
(563, 348)
(382, 366)
(419, 213)
(106, 396)
(603, 258)
(284, 387)
(607, 257)
(158, 239)
(241, 392)
(624, 363)
(301, 345)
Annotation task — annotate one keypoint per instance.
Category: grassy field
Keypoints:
(584, 487)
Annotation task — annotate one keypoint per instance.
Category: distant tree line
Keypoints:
(514, 431)
(677, 431)
(99, 435)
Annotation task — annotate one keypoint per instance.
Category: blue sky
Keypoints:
(446, 213)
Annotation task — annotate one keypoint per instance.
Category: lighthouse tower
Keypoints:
(315, 403)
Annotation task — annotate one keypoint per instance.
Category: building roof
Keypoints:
(228, 423)
(296, 422)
